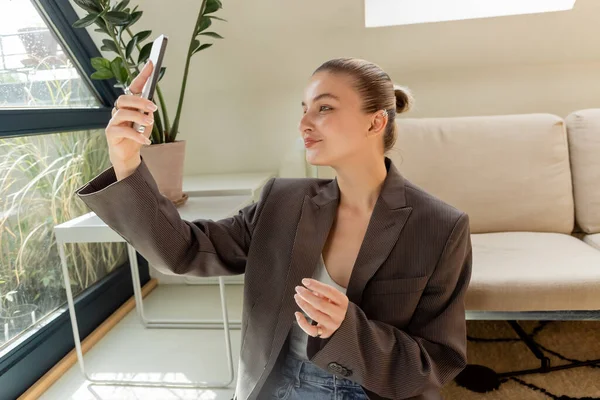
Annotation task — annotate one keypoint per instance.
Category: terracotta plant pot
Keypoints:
(165, 162)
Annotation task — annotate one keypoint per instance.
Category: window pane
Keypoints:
(405, 12)
(38, 178)
(34, 69)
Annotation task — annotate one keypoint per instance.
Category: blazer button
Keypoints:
(335, 367)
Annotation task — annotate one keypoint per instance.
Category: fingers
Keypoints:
(135, 103)
(315, 314)
(319, 302)
(138, 83)
(326, 290)
(123, 132)
(306, 326)
(122, 116)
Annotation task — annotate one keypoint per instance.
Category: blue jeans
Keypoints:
(300, 380)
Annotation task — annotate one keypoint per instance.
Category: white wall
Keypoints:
(553, 88)
(243, 97)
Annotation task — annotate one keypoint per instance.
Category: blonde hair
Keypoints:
(376, 89)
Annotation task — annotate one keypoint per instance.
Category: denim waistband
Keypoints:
(305, 370)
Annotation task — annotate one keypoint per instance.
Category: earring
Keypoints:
(385, 113)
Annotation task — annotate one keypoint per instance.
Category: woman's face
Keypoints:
(334, 127)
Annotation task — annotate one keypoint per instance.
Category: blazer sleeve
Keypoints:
(135, 209)
(392, 363)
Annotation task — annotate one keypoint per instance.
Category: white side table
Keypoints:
(248, 183)
(89, 228)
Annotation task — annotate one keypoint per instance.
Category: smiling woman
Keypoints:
(342, 93)
(378, 266)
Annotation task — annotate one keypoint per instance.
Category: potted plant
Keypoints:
(165, 155)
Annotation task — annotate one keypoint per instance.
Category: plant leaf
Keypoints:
(130, 47)
(143, 35)
(161, 73)
(109, 45)
(122, 5)
(101, 75)
(100, 22)
(100, 63)
(85, 21)
(144, 53)
(215, 17)
(134, 18)
(203, 24)
(194, 45)
(117, 17)
(212, 6)
(89, 5)
(212, 34)
(204, 46)
(123, 74)
(115, 67)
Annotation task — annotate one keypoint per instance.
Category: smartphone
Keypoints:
(157, 52)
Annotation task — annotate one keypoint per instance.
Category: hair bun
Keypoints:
(404, 99)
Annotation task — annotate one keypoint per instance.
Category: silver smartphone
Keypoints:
(157, 52)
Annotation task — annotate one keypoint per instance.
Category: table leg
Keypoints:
(175, 324)
(168, 323)
(74, 325)
(161, 384)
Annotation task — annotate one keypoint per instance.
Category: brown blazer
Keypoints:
(404, 335)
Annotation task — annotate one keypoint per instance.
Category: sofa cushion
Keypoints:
(527, 271)
(508, 172)
(593, 240)
(583, 129)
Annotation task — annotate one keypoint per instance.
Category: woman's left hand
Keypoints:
(322, 303)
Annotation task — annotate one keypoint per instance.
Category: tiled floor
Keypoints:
(129, 351)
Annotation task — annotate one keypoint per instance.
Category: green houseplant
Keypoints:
(116, 20)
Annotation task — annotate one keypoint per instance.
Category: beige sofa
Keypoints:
(531, 186)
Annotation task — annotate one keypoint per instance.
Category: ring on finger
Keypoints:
(129, 92)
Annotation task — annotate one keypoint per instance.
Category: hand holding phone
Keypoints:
(159, 46)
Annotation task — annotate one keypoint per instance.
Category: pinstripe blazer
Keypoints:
(404, 334)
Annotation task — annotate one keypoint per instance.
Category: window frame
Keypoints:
(28, 361)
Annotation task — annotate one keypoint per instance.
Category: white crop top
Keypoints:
(297, 337)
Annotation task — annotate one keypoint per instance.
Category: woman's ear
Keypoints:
(378, 123)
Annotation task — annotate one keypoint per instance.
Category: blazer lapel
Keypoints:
(316, 219)
(387, 220)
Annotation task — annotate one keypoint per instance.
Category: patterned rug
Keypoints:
(578, 340)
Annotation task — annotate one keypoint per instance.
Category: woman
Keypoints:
(354, 287)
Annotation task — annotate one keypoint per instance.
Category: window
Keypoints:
(34, 69)
(38, 176)
(52, 141)
(404, 12)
